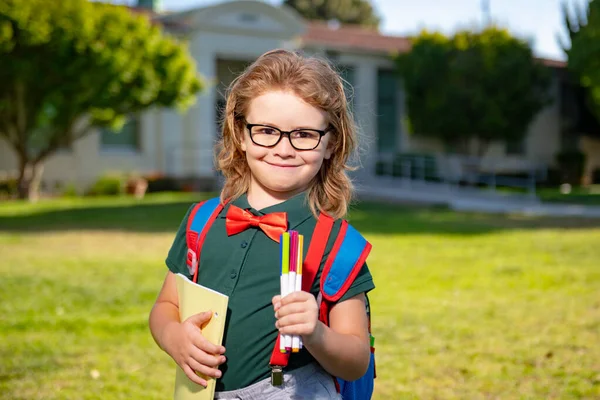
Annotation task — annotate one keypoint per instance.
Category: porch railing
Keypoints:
(457, 170)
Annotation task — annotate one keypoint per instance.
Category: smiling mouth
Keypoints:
(281, 165)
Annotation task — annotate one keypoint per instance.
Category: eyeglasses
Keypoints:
(300, 139)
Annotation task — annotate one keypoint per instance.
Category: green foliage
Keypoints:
(108, 185)
(571, 164)
(70, 191)
(584, 54)
(71, 65)
(358, 12)
(483, 85)
(8, 186)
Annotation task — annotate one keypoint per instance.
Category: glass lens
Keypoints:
(264, 135)
(305, 139)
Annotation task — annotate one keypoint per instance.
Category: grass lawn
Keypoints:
(467, 306)
(589, 195)
(578, 195)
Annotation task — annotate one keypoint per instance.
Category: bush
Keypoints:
(8, 186)
(160, 183)
(553, 178)
(108, 185)
(571, 164)
(596, 176)
(70, 190)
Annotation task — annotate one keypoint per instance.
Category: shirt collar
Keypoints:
(296, 207)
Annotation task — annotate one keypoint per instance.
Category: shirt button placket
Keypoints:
(235, 271)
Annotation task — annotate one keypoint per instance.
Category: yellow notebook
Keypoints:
(194, 299)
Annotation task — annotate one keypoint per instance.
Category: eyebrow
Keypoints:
(294, 129)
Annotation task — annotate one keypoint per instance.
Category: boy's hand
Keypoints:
(192, 352)
(297, 314)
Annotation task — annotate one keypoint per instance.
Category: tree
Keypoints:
(358, 12)
(483, 85)
(71, 65)
(584, 52)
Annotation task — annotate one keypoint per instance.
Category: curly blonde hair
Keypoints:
(316, 82)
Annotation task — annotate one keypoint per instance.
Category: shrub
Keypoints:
(8, 186)
(108, 185)
(160, 183)
(571, 164)
(70, 190)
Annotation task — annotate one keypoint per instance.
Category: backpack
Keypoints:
(343, 264)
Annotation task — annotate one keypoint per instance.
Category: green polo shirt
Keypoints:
(246, 267)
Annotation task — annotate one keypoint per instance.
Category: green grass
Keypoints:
(467, 306)
(589, 195)
(578, 195)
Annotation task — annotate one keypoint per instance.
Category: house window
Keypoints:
(128, 138)
(387, 111)
(247, 18)
(516, 147)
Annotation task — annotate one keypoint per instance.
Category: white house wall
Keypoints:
(365, 68)
(544, 136)
(86, 160)
(231, 31)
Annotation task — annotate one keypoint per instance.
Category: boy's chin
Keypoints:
(286, 190)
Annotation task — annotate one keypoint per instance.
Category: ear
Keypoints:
(328, 151)
(243, 145)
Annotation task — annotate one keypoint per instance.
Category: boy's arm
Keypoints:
(343, 347)
(165, 311)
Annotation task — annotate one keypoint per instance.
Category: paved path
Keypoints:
(467, 199)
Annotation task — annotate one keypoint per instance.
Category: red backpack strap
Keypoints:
(310, 267)
(199, 222)
(347, 257)
(316, 249)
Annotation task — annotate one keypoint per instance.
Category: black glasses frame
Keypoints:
(282, 133)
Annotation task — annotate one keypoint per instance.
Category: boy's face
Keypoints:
(282, 171)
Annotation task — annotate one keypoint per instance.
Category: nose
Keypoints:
(284, 148)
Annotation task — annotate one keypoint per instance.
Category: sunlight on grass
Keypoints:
(467, 306)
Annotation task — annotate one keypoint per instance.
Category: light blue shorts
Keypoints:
(310, 382)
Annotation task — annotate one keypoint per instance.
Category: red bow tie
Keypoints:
(238, 220)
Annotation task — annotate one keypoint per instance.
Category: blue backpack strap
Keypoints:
(199, 222)
(347, 257)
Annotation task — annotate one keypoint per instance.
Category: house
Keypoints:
(224, 38)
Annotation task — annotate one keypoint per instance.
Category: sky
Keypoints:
(539, 21)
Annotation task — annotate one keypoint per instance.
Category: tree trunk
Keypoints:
(30, 177)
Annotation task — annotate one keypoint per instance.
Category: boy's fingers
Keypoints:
(276, 302)
(295, 329)
(208, 347)
(205, 370)
(294, 297)
(292, 308)
(193, 377)
(200, 319)
(292, 319)
(207, 359)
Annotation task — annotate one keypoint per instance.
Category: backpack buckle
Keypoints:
(192, 262)
(276, 375)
